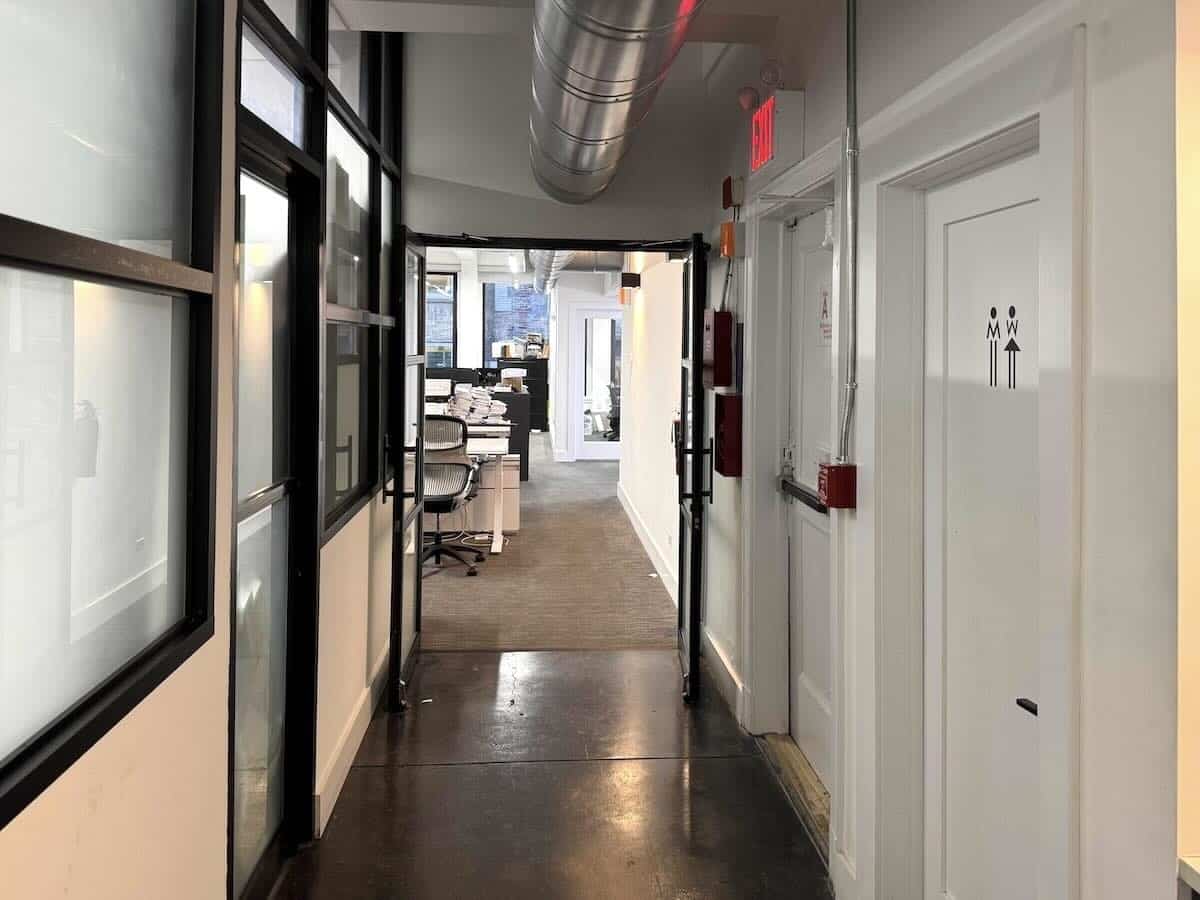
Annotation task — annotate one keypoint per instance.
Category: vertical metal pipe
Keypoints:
(850, 257)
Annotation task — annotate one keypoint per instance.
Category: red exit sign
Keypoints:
(762, 135)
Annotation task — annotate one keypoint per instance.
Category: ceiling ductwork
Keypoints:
(597, 67)
(547, 265)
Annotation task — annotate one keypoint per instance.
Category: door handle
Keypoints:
(1030, 706)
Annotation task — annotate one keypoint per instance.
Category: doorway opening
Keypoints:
(541, 380)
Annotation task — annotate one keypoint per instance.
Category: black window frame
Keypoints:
(30, 246)
(453, 314)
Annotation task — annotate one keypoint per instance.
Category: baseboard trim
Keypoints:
(88, 618)
(728, 683)
(331, 781)
(666, 572)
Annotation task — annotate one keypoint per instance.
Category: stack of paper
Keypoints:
(476, 404)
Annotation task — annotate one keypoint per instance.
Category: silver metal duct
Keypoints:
(597, 67)
(547, 265)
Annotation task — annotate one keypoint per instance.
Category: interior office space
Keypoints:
(270, 270)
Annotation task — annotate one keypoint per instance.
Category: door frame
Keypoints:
(1032, 70)
(577, 314)
(1053, 125)
(688, 246)
(258, 156)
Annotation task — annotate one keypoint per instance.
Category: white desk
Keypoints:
(493, 450)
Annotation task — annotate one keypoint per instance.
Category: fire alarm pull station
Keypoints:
(837, 485)
(727, 431)
(718, 348)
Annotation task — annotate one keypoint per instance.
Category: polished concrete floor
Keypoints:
(572, 774)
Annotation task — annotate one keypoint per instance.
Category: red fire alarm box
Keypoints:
(837, 485)
(727, 435)
(718, 348)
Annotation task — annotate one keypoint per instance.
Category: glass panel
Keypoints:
(293, 14)
(263, 337)
(440, 296)
(260, 621)
(348, 199)
(510, 314)
(270, 89)
(346, 62)
(414, 411)
(98, 103)
(93, 487)
(387, 226)
(412, 302)
(346, 407)
(602, 379)
(412, 587)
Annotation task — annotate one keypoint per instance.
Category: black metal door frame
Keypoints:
(693, 458)
(403, 366)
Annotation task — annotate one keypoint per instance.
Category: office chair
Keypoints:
(449, 486)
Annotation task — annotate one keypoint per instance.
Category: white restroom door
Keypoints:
(981, 535)
(811, 603)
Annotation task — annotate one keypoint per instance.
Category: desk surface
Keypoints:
(487, 446)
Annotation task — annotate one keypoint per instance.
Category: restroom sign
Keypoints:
(1001, 351)
(762, 135)
(824, 320)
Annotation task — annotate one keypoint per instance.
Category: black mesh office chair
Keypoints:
(449, 486)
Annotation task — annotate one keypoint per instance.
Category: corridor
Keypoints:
(558, 774)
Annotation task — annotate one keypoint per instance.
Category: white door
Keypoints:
(595, 417)
(981, 535)
(810, 615)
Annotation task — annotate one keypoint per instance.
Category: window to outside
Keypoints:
(346, 60)
(270, 89)
(346, 411)
(511, 313)
(347, 192)
(100, 138)
(441, 295)
(93, 487)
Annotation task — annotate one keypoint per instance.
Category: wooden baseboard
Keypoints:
(803, 787)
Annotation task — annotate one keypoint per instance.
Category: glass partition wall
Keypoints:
(108, 236)
(317, 300)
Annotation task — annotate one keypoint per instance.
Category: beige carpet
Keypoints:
(574, 577)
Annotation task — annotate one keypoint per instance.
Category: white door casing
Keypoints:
(982, 493)
(576, 331)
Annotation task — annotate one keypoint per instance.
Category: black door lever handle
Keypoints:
(1028, 705)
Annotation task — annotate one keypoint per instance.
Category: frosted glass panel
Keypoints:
(93, 472)
(292, 13)
(263, 337)
(260, 610)
(348, 196)
(270, 89)
(346, 61)
(346, 409)
(97, 107)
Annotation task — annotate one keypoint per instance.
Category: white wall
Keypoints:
(354, 616)
(143, 812)
(649, 404)
(1127, 603)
